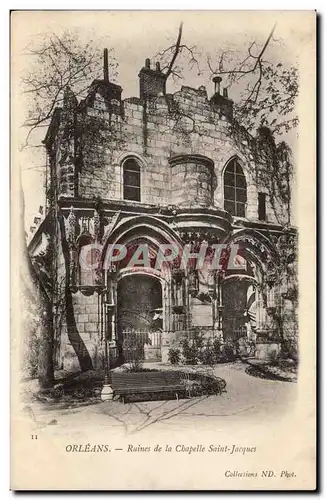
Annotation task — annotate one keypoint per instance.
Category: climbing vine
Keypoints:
(275, 172)
(280, 280)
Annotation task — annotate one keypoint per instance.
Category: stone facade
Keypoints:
(179, 147)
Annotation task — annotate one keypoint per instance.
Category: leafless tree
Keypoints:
(170, 57)
(267, 90)
(57, 62)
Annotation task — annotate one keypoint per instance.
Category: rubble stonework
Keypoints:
(181, 145)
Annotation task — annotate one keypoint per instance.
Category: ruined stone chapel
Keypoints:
(158, 169)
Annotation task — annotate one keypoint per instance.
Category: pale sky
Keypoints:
(135, 36)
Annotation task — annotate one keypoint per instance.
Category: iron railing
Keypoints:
(134, 342)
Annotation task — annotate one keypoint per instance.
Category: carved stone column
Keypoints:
(215, 279)
(71, 236)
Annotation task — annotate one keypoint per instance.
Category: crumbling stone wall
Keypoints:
(158, 128)
(182, 143)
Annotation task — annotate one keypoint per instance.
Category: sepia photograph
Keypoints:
(163, 180)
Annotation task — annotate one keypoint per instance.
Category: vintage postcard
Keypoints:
(163, 175)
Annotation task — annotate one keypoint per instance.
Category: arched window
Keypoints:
(235, 189)
(131, 180)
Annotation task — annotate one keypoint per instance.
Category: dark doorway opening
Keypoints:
(235, 304)
(139, 313)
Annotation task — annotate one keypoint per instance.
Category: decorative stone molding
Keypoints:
(191, 158)
(71, 228)
(201, 236)
(97, 226)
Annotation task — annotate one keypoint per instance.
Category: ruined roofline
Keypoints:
(152, 86)
(53, 126)
(218, 103)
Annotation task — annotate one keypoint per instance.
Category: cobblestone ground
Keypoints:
(248, 400)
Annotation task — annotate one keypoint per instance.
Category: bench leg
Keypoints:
(177, 396)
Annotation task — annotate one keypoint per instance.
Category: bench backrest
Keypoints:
(145, 379)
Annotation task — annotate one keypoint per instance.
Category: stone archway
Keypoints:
(139, 315)
(242, 290)
(235, 297)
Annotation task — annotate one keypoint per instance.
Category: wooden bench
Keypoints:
(132, 383)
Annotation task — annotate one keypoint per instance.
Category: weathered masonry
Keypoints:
(160, 169)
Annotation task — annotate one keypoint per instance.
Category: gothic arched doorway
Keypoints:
(237, 298)
(139, 314)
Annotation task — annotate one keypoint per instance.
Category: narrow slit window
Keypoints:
(262, 206)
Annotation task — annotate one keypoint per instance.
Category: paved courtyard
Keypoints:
(248, 399)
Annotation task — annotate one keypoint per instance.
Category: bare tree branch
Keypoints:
(266, 88)
(257, 58)
(176, 52)
(168, 57)
(58, 62)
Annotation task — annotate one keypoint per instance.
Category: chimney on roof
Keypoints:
(217, 84)
(106, 66)
(151, 82)
(109, 91)
(221, 102)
